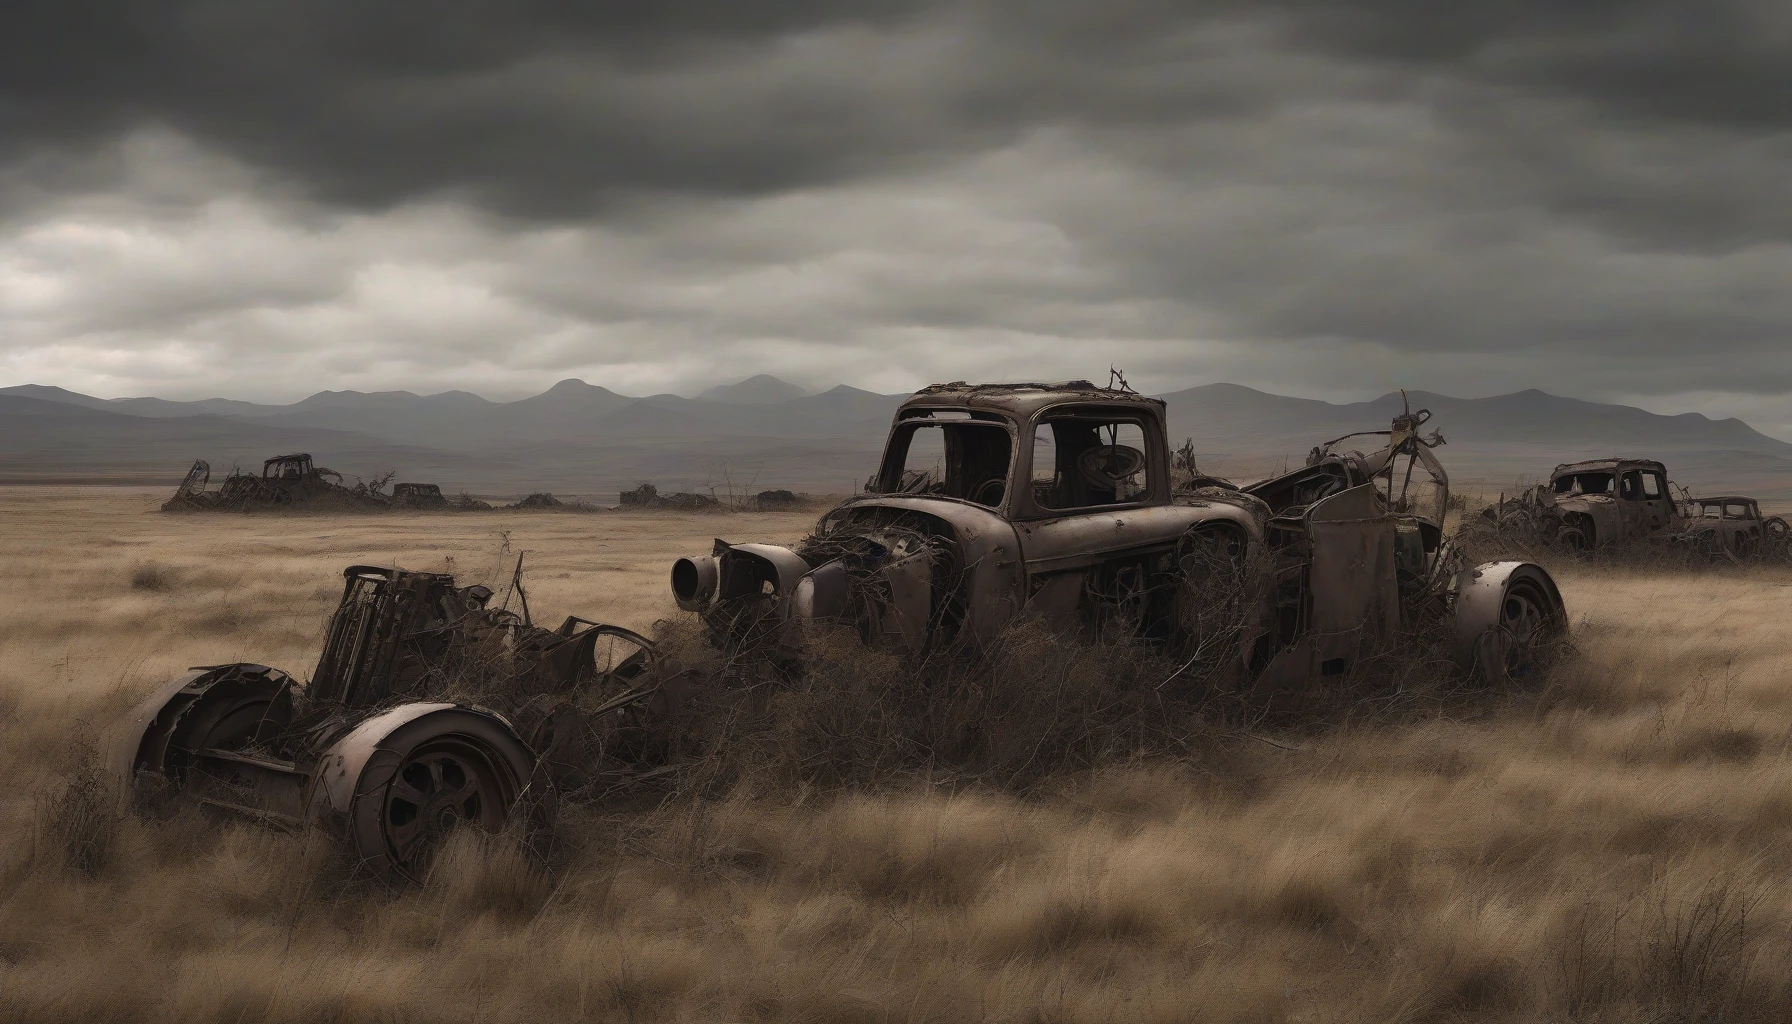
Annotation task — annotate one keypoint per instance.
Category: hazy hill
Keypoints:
(154, 407)
(585, 439)
(763, 389)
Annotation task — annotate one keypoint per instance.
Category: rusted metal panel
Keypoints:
(1352, 578)
(1081, 541)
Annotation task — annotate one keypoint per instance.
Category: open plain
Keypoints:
(1610, 843)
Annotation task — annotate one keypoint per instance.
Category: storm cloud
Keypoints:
(263, 199)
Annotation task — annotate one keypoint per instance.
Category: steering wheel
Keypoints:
(1108, 466)
(990, 492)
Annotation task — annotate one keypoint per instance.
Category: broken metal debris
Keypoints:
(285, 481)
(647, 496)
(296, 482)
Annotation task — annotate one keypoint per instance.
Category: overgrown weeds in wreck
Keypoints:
(1036, 708)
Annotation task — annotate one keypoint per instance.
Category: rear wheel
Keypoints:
(1708, 547)
(450, 770)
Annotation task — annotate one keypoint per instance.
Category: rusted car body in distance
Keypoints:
(1611, 501)
(1733, 525)
(1599, 503)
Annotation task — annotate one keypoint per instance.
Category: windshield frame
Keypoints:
(902, 432)
(1575, 491)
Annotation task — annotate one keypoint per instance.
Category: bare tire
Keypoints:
(1572, 539)
(450, 769)
(1508, 616)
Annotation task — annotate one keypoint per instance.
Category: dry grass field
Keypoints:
(1611, 844)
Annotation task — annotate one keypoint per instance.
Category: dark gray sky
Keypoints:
(264, 199)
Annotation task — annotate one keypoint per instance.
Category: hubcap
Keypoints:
(439, 788)
(1522, 624)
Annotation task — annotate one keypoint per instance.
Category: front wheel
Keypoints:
(1572, 539)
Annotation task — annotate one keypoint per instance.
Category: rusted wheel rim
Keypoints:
(1509, 649)
(1522, 612)
(447, 783)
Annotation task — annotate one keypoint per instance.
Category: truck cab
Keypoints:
(1611, 501)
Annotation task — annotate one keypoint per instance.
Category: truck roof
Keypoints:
(1594, 465)
(1021, 400)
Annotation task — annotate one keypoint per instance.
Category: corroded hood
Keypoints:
(1592, 504)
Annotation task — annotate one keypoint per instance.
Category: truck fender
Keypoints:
(142, 741)
(1490, 599)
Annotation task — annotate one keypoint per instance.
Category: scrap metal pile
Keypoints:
(297, 482)
(285, 481)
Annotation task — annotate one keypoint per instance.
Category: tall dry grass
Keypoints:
(1609, 844)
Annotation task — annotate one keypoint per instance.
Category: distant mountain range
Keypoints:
(581, 439)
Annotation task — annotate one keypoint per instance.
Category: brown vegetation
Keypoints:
(1605, 846)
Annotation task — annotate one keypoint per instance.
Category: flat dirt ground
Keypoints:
(1612, 843)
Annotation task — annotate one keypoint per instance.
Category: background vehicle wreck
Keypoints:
(1603, 504)
(288, 481)
(1732, 526)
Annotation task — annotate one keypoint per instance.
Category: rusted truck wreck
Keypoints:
(995, 502)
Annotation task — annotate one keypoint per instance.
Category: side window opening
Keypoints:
(1630, 487)
(1652, 489)
(1086, 462)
